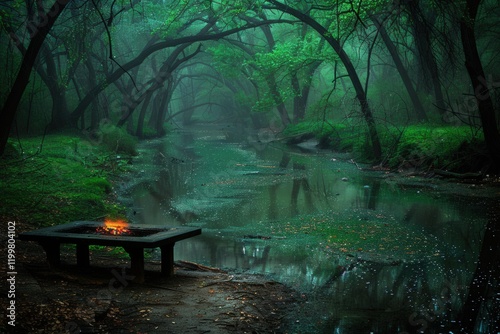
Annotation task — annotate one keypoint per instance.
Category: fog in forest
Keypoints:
(347, 149)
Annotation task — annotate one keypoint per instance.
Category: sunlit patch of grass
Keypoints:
(437, 146)
(65, 179)
(411, 146)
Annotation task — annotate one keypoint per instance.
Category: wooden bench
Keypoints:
(144, 236)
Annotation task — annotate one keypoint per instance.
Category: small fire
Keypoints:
(114, 227)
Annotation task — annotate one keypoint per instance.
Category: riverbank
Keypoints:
(103, 299)
(61, 178)
(354, 237)
(416, 147)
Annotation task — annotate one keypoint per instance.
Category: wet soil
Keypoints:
(104, 298)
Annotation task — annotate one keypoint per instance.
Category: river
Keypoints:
(372, 252)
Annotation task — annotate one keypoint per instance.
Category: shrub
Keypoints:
(117, 139)
(432, 146)
(415, 146)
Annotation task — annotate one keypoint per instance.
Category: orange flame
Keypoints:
(114, 227)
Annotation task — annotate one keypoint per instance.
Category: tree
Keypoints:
(164, 74)
(346, 61)
(477, 76)
(40, 31)
(417, 105)
(154, 46)
(425, 53)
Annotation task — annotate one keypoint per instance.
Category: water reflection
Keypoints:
(275, 211)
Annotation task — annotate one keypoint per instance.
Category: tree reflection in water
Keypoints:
(275, 211)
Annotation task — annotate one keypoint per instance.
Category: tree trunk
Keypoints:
(203, 35)
(417, 105)
(187, 98)
(57, 93)
(301, 95)
(276, 96)
(162, 111)
(301, 102)
(351, 71)
(427, 60)
(142, 115)
(299, 105)
(14, 98)
(50, 78)
(165, 73)
(153, 116)
(271, 81)
(94, 115)
(477, 77)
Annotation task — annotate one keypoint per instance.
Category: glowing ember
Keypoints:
(114, 227)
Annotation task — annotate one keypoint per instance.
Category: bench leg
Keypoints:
(167, 260)
(136, 263)
(82, 255)
(53, 252)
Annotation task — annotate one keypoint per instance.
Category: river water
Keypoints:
(372, 253)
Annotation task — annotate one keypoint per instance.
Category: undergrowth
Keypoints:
(414, 146)
(57, 179)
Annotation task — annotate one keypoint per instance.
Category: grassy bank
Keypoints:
(61, 178)
(414, 146)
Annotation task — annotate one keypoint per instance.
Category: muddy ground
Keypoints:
(104, 299)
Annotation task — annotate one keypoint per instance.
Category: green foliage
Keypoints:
(343, 15)
(8, 11)
(292, 56)
(186, 15)
(244, 99)
(340, 137)
(424, 146)
(148, 133)
(172, 20)
(117, 139)
(62, 180)
(265, 103)
(224, 58)
(416, 146)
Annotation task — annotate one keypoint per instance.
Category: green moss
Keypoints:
(97, 182)
(424, 146)
(148, 133)
(340, 137)
(117, 140)
(414, 146)
(60, 179)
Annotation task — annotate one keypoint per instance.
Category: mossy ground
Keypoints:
(420, 146)
(58, 179)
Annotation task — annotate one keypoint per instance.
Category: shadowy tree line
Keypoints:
(133, 61)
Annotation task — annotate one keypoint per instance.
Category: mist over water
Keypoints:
(370, 253)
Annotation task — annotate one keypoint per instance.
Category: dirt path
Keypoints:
(103, 299)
